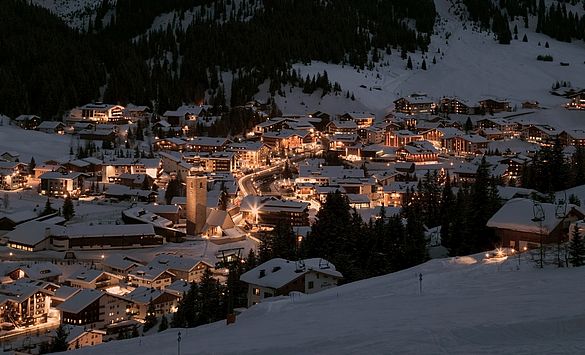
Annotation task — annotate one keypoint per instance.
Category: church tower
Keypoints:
(196, 204)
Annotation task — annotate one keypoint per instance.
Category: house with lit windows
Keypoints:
(94, 309)
(280, 277)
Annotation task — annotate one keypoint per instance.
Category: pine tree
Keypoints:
(424, 65)
(150, 319)
(68, 209)
(409, 63)
(31, 166)
(224, 198)
(577, 248)
(525, 38)
(60, 340)
(164, 324)
(48, 208)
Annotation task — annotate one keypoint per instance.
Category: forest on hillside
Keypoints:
(47, 68)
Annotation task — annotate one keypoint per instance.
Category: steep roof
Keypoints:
(277, 272)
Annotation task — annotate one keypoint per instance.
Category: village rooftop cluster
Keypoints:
(162, 206)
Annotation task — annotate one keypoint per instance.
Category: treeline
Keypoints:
(391, 243)
(550, 170)
(47, 68)
(555, 20)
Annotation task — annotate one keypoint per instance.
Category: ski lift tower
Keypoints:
(539, 216)
(561, 213)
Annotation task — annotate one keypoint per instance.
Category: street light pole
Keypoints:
(179, 343)
(538, 212)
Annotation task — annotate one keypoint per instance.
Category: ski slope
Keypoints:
(468, 306)
(470, 65)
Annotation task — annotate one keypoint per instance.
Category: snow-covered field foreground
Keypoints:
(468, 306)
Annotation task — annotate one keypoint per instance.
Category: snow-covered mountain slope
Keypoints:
(470, 65)
(468, 306)
(75, 13)
(41, 146)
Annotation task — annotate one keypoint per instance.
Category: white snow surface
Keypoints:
(468, 306)
(471, 65)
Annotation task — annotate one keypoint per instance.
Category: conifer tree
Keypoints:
(48, 208)
(68, 209)
(60, 341)
(164, 324)
(409, 63)
(577, 248)
(150, 319)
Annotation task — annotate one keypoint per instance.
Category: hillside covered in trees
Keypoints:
(47, 67)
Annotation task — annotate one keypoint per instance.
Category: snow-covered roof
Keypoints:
(276, 273)
(181, 263)
(32, 233)
(89, 275)
(120, 262)
(521, 215)
(80, 301)
(106, 230)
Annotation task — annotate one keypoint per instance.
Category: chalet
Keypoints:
(415, 104)
(456, 105)
(151, 277)
(40, 169)
(133, 181)
(467, 143)
(540, 134)
(79, 337)
(82, 126)
(51, 127)
(271, 211)
(42, 271)
(271, 125)
(402, 137)
(185, 115)
(24, 303)
(574, 137)
(135, 113)
(494, 105)
(530, 104)
(396, 193)
(418, 151)
(118, 166)
(164, 302)
(13, 175)
(373, 135)
(289, 139)
(342, 127)
(279, 277)
(173, 164)
(120, 265)
(207, 144)
(183, 268)
(10, 156)
(361, 119)
(577, 101)
(125, 193)
(89, 166)
(98, 135)
(98, 113)
(339, 142)
(92, 279)
(94, 309)
(28, 121)
(249, 155)
(491, 134)
(438, 135)
(170, 212)
(507, 127)
(173, 144)
(54, 183)
(524, 223)
(211, 162)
